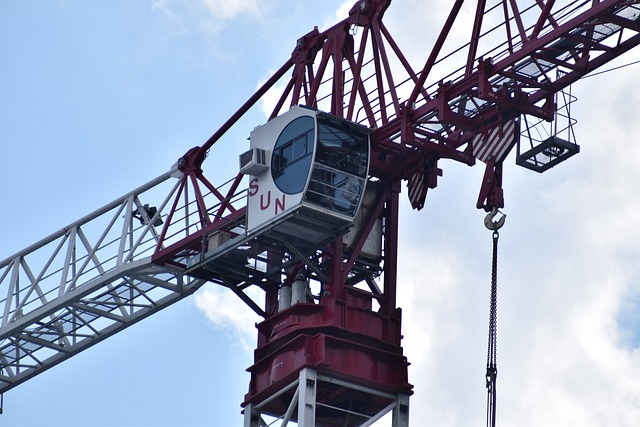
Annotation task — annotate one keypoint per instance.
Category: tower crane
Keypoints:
(306, 233)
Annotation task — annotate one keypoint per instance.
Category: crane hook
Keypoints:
(489, 220)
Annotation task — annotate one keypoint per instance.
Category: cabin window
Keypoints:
(334, 190)
(341, 165)
(343, 147)
(292, 155)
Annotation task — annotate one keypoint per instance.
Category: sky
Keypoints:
(99, 97)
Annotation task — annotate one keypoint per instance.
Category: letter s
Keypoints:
(253, 187)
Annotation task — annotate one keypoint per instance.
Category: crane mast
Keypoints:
(329, 348)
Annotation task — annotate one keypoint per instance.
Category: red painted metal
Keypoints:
(353, 331)
(475, 37)
(344, 335)
(358, 363)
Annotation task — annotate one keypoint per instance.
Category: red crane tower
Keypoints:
(311, 220)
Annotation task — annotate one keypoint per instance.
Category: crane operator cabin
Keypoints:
(308, 176)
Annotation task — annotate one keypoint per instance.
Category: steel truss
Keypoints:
(152, 247)
(87, 282)
(307, 409)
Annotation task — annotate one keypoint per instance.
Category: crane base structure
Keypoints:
(309, 392)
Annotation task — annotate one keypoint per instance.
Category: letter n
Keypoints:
(280, 204)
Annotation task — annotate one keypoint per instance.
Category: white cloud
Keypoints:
(269, 100)
(560, 359)
(342, 12)
(227, 312)
(208, 16)
(437, 321)
(229, 9)
(568, 265)
(161, 6)
(568, 262)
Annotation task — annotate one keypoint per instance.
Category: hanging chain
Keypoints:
(492, 369)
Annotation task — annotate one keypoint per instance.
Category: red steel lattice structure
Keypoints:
(467, 105)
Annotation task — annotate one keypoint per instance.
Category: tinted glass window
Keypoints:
(292, 154)
(334, 190)
(342, 147)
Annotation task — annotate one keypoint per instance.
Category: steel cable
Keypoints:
(492, 371)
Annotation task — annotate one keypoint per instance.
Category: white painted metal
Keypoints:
(307, 388)
(90, 280)
(304, 404)
(251, 418)
(299, 290)
(266, 202)
(401, 412)
(284, 298)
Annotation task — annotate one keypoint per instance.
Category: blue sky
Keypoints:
(100, 97)
(97, 99)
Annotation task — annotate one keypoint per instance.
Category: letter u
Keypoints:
(264, 206)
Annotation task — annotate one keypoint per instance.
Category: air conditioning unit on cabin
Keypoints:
(254, 161)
